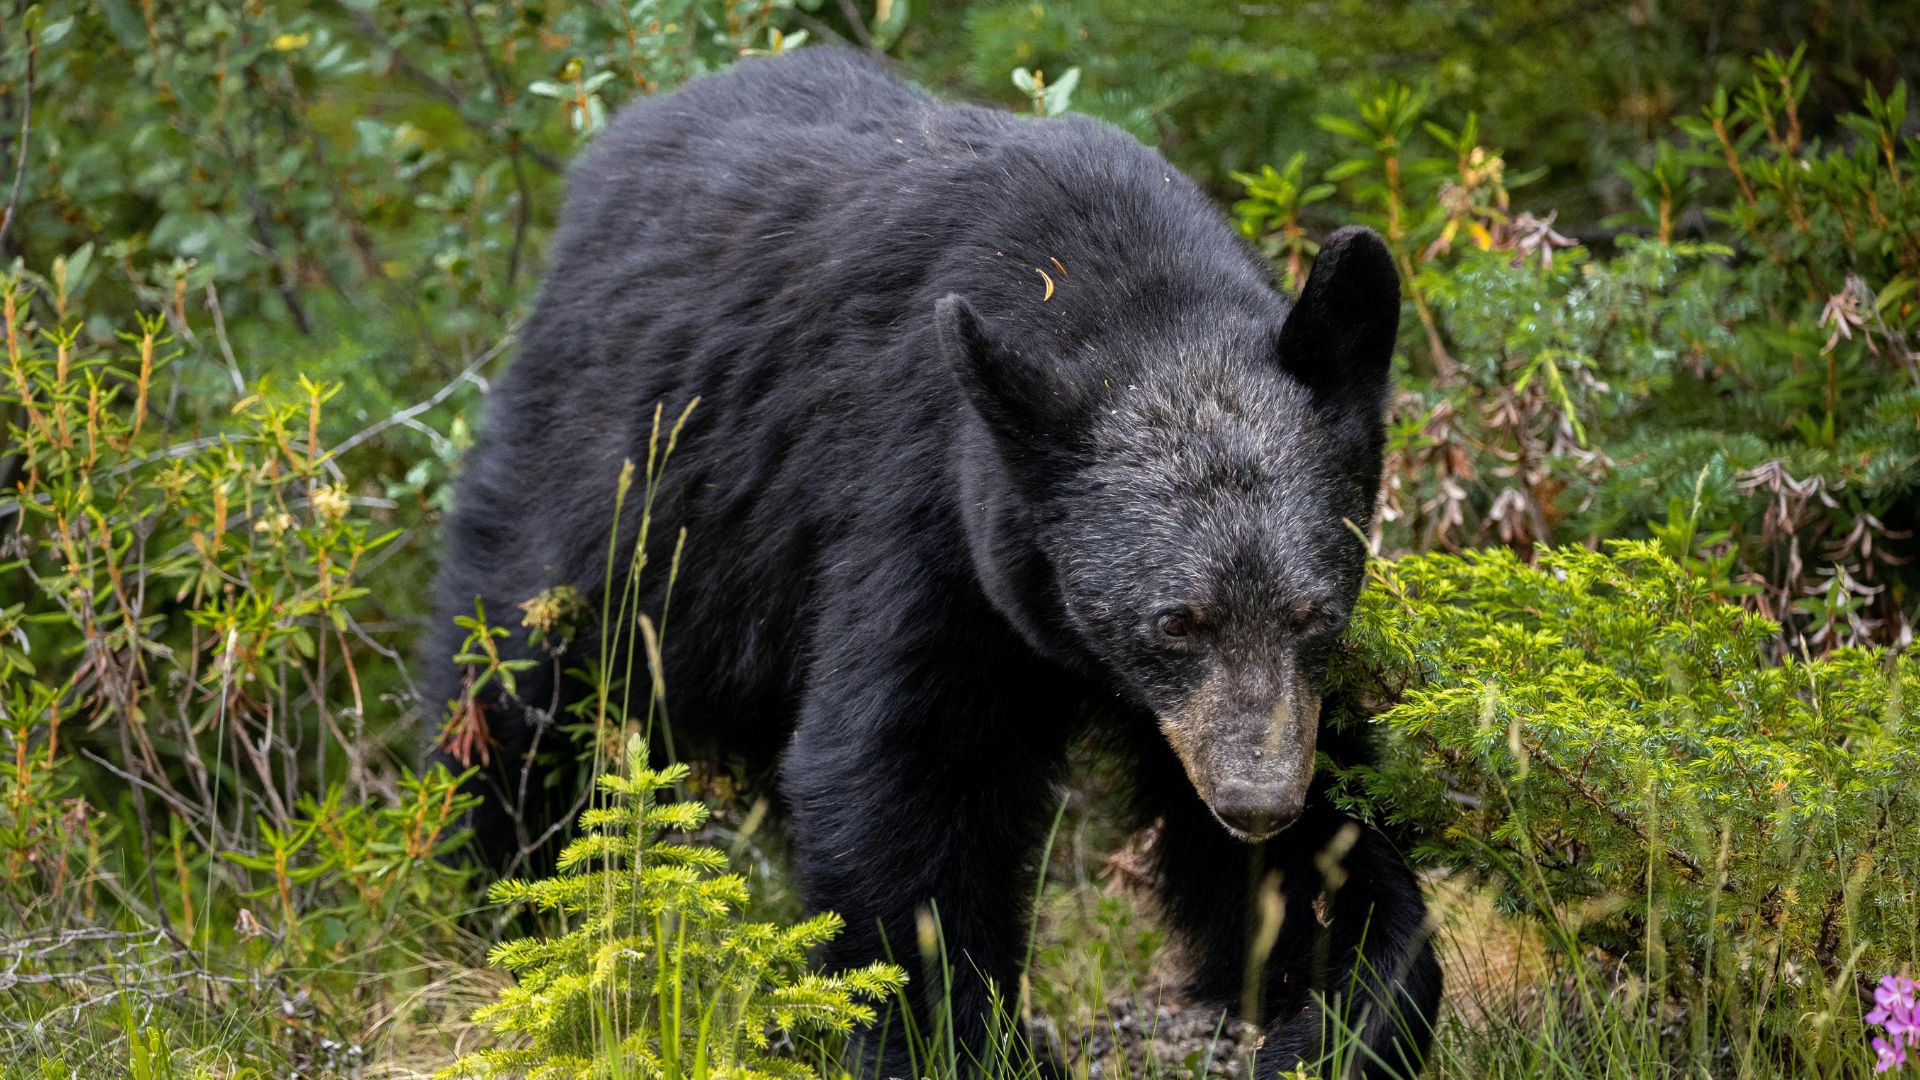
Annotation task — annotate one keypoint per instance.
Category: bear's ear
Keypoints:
(1024, 404)
(1338, 339)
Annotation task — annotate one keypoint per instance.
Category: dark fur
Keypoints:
(931, 516)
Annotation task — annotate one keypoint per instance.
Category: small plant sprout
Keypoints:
(1049, 99)
(660, 974)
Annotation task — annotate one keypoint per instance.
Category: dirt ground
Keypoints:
(1492, 965)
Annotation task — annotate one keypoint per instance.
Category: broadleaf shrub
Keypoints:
(192, 784)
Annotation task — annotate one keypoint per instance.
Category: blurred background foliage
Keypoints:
(262, 258)
(1230, 86)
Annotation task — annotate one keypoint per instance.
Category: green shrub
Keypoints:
(1614, 749)
(197, 774)
(658, 973)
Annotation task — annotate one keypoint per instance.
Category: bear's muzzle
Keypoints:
(1251, 763)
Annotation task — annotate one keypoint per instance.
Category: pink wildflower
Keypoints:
(1895, 1011)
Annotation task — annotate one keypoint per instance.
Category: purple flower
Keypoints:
(1895, 1011)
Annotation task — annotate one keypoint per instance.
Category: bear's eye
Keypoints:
(1177, 622)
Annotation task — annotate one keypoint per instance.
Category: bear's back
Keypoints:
(816, 188)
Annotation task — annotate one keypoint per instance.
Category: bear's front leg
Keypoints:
(1320, 931)
(922, 783)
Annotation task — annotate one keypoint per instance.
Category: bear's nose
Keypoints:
(1258, 810)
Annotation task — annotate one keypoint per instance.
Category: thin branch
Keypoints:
(523, 214)
(26, 133)
(184, 810)
(365, 636)
(220, 338)
(1684, 861)
(823, 31)
(858, 24)
(407, 414)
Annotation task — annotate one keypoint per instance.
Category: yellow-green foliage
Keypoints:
(659, 976)
(192, 813)
(1610, 742)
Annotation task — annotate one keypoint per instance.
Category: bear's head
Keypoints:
(1201, 511)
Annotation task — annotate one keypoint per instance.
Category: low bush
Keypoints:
(1615, 750)
(198, 782)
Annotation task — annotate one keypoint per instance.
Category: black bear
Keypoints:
(1007, 439)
